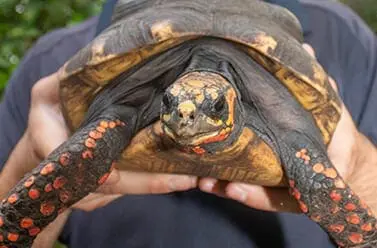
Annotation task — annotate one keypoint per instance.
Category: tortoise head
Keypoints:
(199, 108)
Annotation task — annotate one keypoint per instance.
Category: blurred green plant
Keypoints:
(367, 9)
(23, 21)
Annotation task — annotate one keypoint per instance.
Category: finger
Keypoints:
(21, 160)
(94, 201)
(309, 49)
(333, 84)
(127, 182)
(49, 235)
(263, 198)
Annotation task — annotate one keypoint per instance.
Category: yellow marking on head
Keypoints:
(186, 108)
(166, 117)
(199, 98)
(230, 99)
(195, 83)
(175, 90)
(264, 43)
(213, 122)
(162, 31)
(214, 95)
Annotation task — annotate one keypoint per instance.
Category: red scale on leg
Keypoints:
(47, 208)
(29, 182)
(34, 194)
(64, 196)
(336, 228)
(26, 223)
(13, 198)
(13, 237)
(95, 134)
(59, 182)
(356, 238)
(335, 196)
(367, 227)
(103, 179)
(1, 238)
(47, 169)
(34, 231)
(112, 124)
(90, 143)
(101, 129)
(65, 159)
(1, 221)
(48, 188)
(87, 154)
(353, 219)
(350, 206)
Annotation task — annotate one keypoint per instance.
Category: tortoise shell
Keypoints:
(270, 34)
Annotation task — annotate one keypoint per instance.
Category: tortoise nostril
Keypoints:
(192, 117)
(180, 115)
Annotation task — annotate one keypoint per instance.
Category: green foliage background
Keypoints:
(23, 21)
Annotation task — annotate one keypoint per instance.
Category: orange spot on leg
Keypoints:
(47, 169)
(318, 168)
(101, 129)
(350, 206)
(335, 196)
(34, 231)
(12, 198)
(336, 228)
(291, 183)
(95, 134)
(104, 124)
(29, 182)
(26, 223)
(303, 207)
(34, 194)
(59, 182)
(87, 154)
(48, 187)
(330, 173)
(90, 143)
(353, 219)
(355, 238)
(316, 217)
(65, 159)
(112, 124)
(1, 221)
(367, 227)
(13, 237)
(103, 179)
(64, 196)
(339, 184)
(296, 194)
(47, 208)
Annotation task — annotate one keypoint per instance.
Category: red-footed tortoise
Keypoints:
(211, 88)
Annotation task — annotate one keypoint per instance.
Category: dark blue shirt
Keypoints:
(347, 50)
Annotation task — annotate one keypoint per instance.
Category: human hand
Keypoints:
(46, 130)
(345, 150)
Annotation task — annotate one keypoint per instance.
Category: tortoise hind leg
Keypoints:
(76, 168)
(324, 196)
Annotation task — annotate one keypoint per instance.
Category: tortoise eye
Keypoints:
(166, 100)
(219, 104)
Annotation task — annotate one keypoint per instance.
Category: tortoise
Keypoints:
(210, 88)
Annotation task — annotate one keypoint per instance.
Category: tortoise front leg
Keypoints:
(76, 168)
(324, 196)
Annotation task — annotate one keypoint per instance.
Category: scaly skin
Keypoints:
(325, 197)
(78, 167)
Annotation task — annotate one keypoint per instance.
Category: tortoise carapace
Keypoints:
(204, 87)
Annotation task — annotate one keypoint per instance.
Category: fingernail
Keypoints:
(237, 193)
(207, 186)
